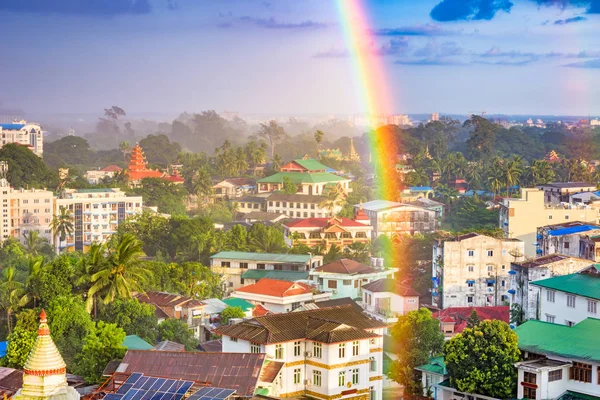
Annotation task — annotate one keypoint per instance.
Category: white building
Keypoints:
(527, 296)
(279, 296)
(96, 214)
(25, 134)
(345, 277)
(334, 352)
(392, 218)
(560, 362)
(472, 270)
(569, 299)
(387, 299)
(98, 175)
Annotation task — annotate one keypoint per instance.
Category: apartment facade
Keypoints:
(527, 296)
(570, 299)
(338, 231)
(232, 265)
(300, 205)
(560, 192)
(472, 270)
(334, 352)
(26, 134)
(387, 299)
(96, 214)
(576, 239)
(520, 218)
(311, 183)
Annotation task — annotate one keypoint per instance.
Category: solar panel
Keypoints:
(140, 387)
(112, 397)
(210, 393)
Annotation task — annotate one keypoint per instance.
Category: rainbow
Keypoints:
(373, 90)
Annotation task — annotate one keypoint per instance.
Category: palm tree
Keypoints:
(33, 242)
(12, 294)
(35, 266)
(267, 241)
(334, 199)
(319, 138)
(512, 173)
(125, 148)
(495, 176)
(61, 225)
(202, 183)
(445, 193)
(119, 272)
(540, 172)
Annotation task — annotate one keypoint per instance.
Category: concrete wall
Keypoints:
(561, 312)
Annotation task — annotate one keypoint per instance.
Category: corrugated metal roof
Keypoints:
(572, 230)
(265, 257)
(580, 284)
(291, 276)
(347, 267)
(579, 342)
(302, 177)
(12, 127)
(311, 165)
(239, 371)
(392, 286)
(435, 365)
(134, 342)
(379, 205)
(235, 302)
(167, 345)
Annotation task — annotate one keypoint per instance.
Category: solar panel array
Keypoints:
(140, 387)
(209, 393)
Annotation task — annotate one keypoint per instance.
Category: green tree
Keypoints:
(473, 320)
(151, 229)
(34, 242)
(167, 196)
(482, 139)
(20, 343)
(12, 294)
(120, 273)
(288, 186)
(319, 138)
(48, 281)
(125, 148)
(333, 200)
(102, 344)
(231, 312)
(266, 239)
(25, 169)
(334, 253)
(61, 225)
(358, 251)
(159, 149)
(481, 360)
(133, 317)
(419, 338)
(177, 331)
(273, 133)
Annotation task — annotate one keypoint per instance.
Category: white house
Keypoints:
(559, 360)
(387, 299)
(569, 299)
(345, 277)
(334, 352)
(279, 296)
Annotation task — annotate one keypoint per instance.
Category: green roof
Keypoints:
(311, 165)
(436, 365)
(302, 177)
(266, 257)
(101, 190)
(291, 276)
(569, 395)
(579, 283)
(235, 302)
(579, 341)
(134, 342)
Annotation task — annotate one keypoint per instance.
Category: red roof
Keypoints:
(346, 266)
(276, 288)
(322, 222)
(174, 178)
(112, 168)
(459, 315)
(259, 311)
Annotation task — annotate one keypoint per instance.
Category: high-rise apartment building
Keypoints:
(23, 133)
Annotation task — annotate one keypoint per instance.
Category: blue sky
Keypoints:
(289, 56)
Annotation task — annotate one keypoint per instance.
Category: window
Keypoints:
(233, 339)
(244, 265)
(471, 253)
(529, 393)
(469, 299)
(317, 377)
(490, 268)
(555, 375)
(260, 266)
(295, 305)
(550, 295)
(279, 351)
(581, 372)
(346, 235)
(254, 347)
(317, 350)
(569, 323)
(355, 376)
(361, 235)
(347, 282)
(490, 253)
(470, 284)
(372, 393)
(503, 283)
(592, 306)
(570, 301)
(330, 235)
(342, 350)
(315, 235)
(332, 284)
(471, 268)
(296, 349)
(566, 245)
(225, 264)
(342, 378)
(355, 348)
(297, 372)
(372, 364)
(550, 318)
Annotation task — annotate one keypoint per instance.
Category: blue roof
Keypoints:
(420, 188)
(573, 229)
(472, 192)
(12, 127)
(3, 347)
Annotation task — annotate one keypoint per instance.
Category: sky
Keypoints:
(290, 56)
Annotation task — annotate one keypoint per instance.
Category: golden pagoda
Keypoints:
(353, 155)
(45, 372)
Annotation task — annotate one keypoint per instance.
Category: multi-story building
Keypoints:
(26, 134)
(569, 299)
(527, 296)
(337, 231)
(234, 188)
(30, 210)
(560, 192)
(560, 362)
(233, 264)
(279, 296)
(386, 299)
(472, 270)
(96, 176)
(520, 218)
(334, 352)
(300, 205)
(96, 214)
(391, 218)
(345, 277)
(567, 238)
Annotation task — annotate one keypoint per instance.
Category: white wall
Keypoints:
(561, 312)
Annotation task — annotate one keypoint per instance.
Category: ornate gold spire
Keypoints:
(44, 359)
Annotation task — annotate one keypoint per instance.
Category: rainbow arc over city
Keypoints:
(373, 89)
